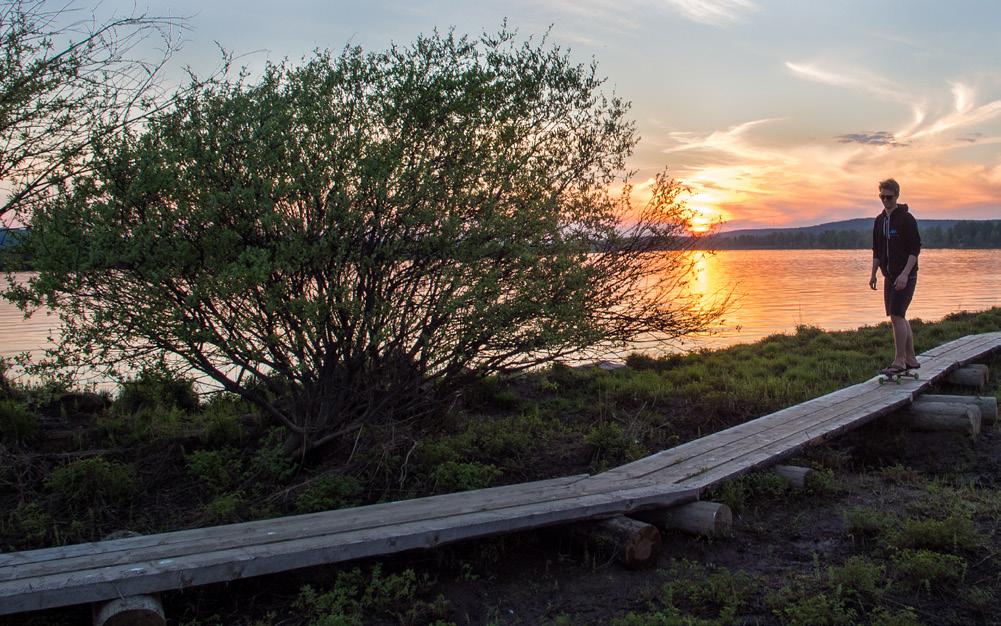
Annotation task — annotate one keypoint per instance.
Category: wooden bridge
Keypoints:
(122, 568)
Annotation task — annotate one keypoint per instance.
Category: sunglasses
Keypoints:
(887, 197)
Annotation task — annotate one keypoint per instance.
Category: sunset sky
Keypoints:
(775, 112)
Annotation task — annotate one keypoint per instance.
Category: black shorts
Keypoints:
(896, 302)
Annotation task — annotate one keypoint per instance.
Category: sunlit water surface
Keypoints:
(774, 291)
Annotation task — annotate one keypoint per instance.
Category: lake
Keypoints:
(774, 290)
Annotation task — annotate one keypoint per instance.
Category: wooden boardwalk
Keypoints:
(90, 572)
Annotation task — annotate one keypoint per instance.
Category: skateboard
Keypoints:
(885, 378)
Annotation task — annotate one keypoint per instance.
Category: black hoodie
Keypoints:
(894, 239)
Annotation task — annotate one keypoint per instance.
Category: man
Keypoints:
(896, 245)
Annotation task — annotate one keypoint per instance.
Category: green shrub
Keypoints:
(740, 492)
(822, 609)
(452, 476)
(156, 388)
(32, 522)
(93, 481)
(668, 617)
(610, 445)
(270, 463)
(955, 533)
(862, 522)
(885, 617)
(923, 569)
(226, 508)
(329, 492)
(697, 585)
(860, 576)
(898, 474)
(220, 470)
(18, 425)
(355, 596)
(220, 420)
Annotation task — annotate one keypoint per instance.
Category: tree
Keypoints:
(356, 237)
(65, 80)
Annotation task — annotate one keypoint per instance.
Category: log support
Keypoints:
(709, 519)
(969, 376)
(793, 475)
(138, 610)
(988, 404)
(145, 610)
(944, 416)
(633, 543)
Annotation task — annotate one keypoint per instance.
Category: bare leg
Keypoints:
(901, 335)
(909, 357)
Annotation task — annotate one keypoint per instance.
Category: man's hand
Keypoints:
(872, 282)
(901, 282)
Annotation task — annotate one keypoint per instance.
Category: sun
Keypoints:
(700, 224)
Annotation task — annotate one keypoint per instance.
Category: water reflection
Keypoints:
(774, 291)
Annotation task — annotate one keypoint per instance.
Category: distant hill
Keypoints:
(857, 233)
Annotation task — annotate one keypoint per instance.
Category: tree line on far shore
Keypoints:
(961, 234)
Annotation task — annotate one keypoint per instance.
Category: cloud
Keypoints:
(965, 113)
(878, 138)
(624, 15)
(882, 88)
(713, 12)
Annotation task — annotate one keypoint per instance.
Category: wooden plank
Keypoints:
(723, 442)
(705, 444)
(773, 452)
(152, 576)
(13, 564)
(781, 444)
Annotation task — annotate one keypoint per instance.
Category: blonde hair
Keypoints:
(890, 185)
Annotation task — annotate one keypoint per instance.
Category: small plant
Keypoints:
(738, 493)
(862, 522)
(32, 522)
(18, 425)
(903, 617)
(954, 533)
(329, 492)
(94, 481)
(220, 421)
(822, 609)
(454, 476)
(355, 595)
(218, 470)
(225, 509)
(823, 482)
(900, 475)
(270, 463)
(610, 445)
(156, 388)
(859, 576)
(923, 569)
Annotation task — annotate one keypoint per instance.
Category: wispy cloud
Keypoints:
(624, 15)
(713, 12)
(964, 114)
(878, 86)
